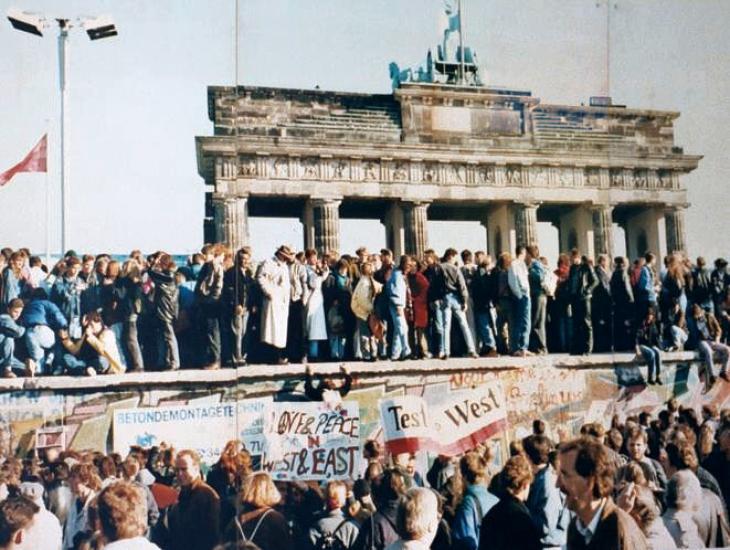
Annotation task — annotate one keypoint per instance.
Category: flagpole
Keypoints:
(48, 207)
(461, 47)
(63, 25)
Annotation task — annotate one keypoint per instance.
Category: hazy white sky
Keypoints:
(138, 100)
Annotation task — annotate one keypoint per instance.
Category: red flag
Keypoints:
(35, 161)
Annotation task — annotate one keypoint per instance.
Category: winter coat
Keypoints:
(419, 298)
(166, 295)
(275, 285)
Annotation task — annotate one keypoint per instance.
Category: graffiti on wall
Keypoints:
(564, 398)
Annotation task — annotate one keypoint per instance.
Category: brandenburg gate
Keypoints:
(444, 151)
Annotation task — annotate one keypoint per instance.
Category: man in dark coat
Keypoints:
(508, 524)
(581, 283)
(194, 520)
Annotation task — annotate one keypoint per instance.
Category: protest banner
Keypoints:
(204, 427)
(467, 418)
(452, 424)
(311, 441)
(406, 427)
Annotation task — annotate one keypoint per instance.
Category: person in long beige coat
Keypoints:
(274, 280)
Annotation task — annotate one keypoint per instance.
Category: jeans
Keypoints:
(131, 343)
(679, 337)
(520, 324)
(7, 349)
(484, 329)
(653, 358)
(707, 349)
(313, 350)
(399, 336)
(337, 346)
(167, 345)
(76, 366)
(504, 315)
(451, 306)
(39, 340)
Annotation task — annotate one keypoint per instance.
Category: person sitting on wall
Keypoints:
(10, 331)
(94, 353)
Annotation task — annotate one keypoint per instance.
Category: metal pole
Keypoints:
(48, 205)
(63, 85)
(461, 47)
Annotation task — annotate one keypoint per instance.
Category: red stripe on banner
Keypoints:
(470, 441)
(409, 445)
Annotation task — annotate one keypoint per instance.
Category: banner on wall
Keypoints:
(205, 427)
(311, 441)
(452, 425)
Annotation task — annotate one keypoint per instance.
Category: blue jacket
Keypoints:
(547, 509)
(395, 289)
(468, 520)
(43, 312)
(12, 288)
(66, 294)
(645, 286)
(9, 328)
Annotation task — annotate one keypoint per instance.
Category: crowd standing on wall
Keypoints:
(92, 314)
(645, 483)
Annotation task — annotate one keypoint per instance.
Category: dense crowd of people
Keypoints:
(645, 483)
(93, 314)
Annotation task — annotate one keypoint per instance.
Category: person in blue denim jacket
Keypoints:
(475, 503)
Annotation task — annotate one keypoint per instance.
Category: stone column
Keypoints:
(230, 218)
(394, 230)
(676, 234)
(415, 227)
(326, 224)
(526, 223)
(644, 232)
(602, 230)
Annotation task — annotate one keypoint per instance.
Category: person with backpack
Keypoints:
(333, 530)
(258, 522)
(380, 530)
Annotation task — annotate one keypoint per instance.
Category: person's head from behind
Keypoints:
(16, 522)
(418, 516)
(187, 465)
(516, 477)
(473, 468)
(537, 449)
(122, 511)
(684, 492)
(393, 485)
(259, 491)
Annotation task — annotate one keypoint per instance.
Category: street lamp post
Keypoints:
(96, 28)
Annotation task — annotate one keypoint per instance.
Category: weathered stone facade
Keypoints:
(443, 152)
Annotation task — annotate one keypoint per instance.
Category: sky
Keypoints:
(138, 100)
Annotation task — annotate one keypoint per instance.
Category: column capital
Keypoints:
(326, 201)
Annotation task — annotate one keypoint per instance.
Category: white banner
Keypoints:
(311, 441)
(456, 423)
(204, 427)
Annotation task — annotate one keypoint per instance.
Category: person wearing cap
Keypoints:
(275, 283)
(47, 533)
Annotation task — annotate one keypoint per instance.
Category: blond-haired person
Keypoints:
(258, 522)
